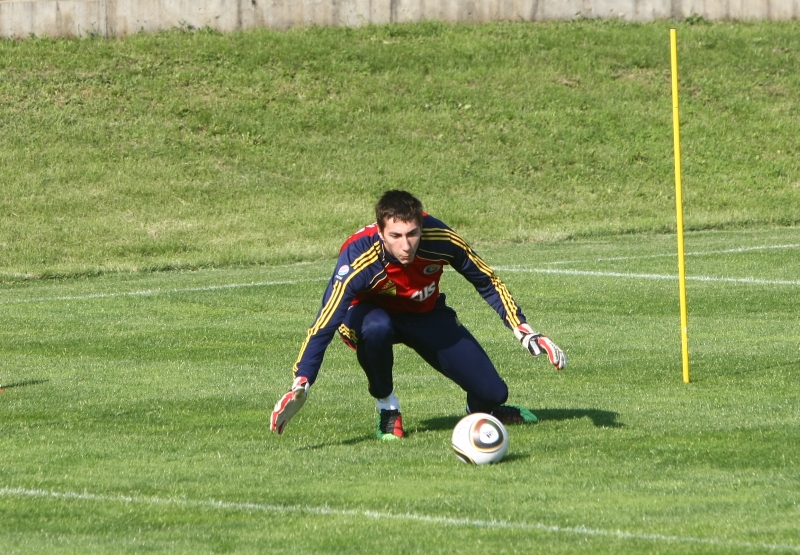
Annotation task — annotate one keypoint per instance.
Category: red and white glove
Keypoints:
(288, 405)
(537, 343)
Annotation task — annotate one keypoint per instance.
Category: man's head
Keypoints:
(400, 206)
(399, 217)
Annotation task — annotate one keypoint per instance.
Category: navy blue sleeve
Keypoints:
(467, 263)
(351, 276)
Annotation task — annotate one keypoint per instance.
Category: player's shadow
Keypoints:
(22, 384)
(600, 418)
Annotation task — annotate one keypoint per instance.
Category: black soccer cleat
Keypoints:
(390, 425)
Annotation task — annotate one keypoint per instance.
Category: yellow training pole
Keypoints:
(676, 125)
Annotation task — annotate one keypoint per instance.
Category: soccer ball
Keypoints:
(480, 438)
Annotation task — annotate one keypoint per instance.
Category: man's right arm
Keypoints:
(335, 302)
(351, 276)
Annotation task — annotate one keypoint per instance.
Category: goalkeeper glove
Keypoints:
(288, 405)
(537, 343)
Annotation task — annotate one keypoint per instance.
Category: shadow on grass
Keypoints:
(351, 441)
(22, 384)
(510, 457)
(600, 418)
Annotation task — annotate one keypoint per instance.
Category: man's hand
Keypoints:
(288, 405)
(537, 343)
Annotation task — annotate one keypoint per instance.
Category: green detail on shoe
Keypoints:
(527, 416)
(387, 437)
(393, 418)
(512, 414)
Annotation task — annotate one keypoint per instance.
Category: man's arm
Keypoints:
(494, 291)
(467, 263)
(348, 279)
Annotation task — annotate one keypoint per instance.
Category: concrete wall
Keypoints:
(57, 18)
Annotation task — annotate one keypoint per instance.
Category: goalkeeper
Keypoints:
(385, 290)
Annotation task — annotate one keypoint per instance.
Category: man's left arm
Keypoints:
(495, 292)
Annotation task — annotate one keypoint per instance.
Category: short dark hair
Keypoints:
(398, 205)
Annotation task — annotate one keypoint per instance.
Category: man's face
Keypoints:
(401, 239)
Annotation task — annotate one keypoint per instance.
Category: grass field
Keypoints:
(170, 206)
(200, 150)
(135, 413)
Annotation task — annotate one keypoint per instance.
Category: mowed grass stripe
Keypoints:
(385, 515)
(588, 273)
(150, 292)
(514, 268)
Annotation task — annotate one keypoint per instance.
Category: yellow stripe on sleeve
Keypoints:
(339, 288)
(505, 295)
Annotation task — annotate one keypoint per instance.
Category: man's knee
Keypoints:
(496, 395)
(488, 397)
(377, 328)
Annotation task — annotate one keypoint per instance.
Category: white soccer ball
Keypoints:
(480, 438)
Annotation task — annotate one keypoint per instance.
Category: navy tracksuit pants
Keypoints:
(438, 337)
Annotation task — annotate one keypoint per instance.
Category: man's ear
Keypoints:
(381, 227)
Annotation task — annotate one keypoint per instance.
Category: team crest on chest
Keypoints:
(431, 269)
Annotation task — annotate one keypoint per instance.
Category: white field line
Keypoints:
(519, 268)
(671, 277)
(385, 515)
(150, 292)
(589, 273)
(674, 255)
